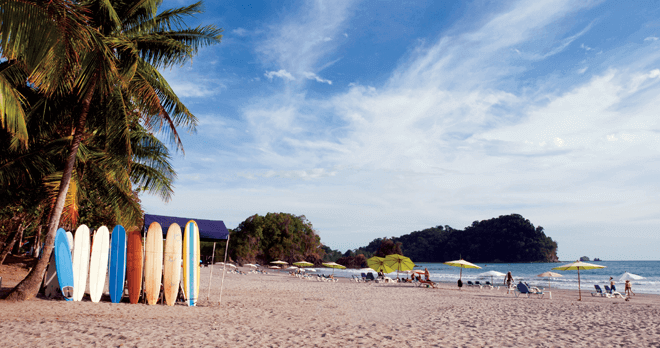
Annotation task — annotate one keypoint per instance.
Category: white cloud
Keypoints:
(651, 38)
(583, 70)
(283, 74)
(303, 41)
(313, 76)
(239, 31)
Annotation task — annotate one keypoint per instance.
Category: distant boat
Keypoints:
(597, 259)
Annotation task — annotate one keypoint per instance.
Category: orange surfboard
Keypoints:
(153, 263)
(134, 264)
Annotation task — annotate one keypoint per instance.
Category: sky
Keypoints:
(380, 118)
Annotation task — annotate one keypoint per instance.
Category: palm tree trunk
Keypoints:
(29, 287)
(37, 238)
(9, 246)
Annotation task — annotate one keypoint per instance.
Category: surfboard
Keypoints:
(134, 265)
(98, 264)
(51, 285)
(172, 267)
(80, 262)
(153, 262)
(191, 262)
(117, 267)
(63, 264)
(69, 239)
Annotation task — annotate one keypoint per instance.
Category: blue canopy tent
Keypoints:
(209, 231)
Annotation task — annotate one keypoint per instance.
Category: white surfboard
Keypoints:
(69, 238)
(98, 264)
(80, 262)
(51, 285)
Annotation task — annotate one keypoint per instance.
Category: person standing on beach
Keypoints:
(629, 288)
(508, 280)
(426, 274)
(612, 283)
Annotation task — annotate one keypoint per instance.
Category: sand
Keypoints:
(278, 310)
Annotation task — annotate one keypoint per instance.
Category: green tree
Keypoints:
(278, 236)
(116, 60)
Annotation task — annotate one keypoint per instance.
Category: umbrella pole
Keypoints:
(211, 275)
(224, 267)
(579, 289)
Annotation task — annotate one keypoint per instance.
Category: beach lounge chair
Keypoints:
(524, 289)
(470, 283)
(370, 277)
(612, 292)
(364, 277)
(599, 291)
(491, 285)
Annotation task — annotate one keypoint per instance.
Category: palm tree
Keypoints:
(117, 59)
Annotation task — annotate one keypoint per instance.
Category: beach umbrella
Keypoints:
(274, 267)
(578, 265)
(293, 267)
(250, 265)
(629, 276)
(303, 263)
(231, 265)
(491, 274)
(549, 275)
(378, 264)
(333, 266)
(278, 262)
(310, 270)
(462, 264)
(399, 263)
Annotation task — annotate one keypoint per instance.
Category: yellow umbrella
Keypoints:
(578, 265)
(333, 265)
(462, 264)
(399, 262)
(378, 264)
(303, 264)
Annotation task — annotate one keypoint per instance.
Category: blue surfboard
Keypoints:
(117, 267)
(63, 264)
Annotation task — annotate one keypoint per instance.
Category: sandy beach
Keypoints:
(277, 310)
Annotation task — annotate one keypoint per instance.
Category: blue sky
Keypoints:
(379, 118)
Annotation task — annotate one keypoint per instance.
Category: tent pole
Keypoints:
(211, 275)
(224, 267)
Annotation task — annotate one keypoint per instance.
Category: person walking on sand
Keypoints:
(629, 288)
(508, 281)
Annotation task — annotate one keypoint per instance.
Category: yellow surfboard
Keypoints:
(153, 262)
(172, 267)
(191, 262)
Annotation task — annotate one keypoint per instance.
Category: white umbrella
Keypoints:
(310, 270)
(629, 276)
(491, 274)
(549, 275)
(293, 267)
(231, 265)
(250, 265)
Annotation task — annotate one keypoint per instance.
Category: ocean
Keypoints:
(527, 272)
